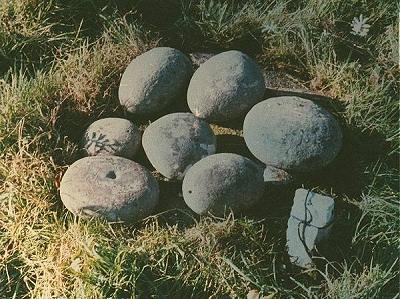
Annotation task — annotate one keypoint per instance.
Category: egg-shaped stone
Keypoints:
(112, 187)
(174, 142)
(292, 133)
(223, 182)
(225, 87)
(154, 80)
(112, 136)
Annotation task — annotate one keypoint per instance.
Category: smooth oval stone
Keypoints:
(154, 80)
(111, 187)
(225, 87)
(276, 176)
(112, 136)
(292, 133)
(222, 182)
(176, 141)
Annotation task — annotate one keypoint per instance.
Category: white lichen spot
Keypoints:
(359, 26)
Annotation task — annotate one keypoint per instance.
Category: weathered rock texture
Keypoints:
(109, 186)
(225, 87)
(176, 141)
(112, 136)
(292, 133)
(310, 221)
(223, 182)
(154, 80)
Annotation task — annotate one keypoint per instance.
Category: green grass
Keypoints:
(60, 64)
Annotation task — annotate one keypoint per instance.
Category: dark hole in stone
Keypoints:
(111, 175)
(190, 191)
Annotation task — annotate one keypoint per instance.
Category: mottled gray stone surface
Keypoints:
(154, 80)
(111, 187)
(225, 87)
(292, 133)
(176, 141)
(222, 182)
(310, 221)
(276, 176)
(112, 136)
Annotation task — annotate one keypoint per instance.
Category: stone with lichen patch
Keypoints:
(176, 141)
(223, 182)
(112, 136)
(225, 87)
(292, 133)
(154, 80)
(111, 187)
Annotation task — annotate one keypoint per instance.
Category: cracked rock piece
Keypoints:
(292, 133)
(154, 80)
(112, 136)
(222, 182)
(111, 187)
(276, 176)
(174, 142)
(225, 87)
(310, 221)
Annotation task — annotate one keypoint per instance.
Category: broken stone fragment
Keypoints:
(276, 176)
(310, 221)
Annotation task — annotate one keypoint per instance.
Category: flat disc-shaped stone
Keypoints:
(111, 187)
(222, 182)
(112, 136)
(154, 80)
(176, 141)
(225, 87)
(292, 133)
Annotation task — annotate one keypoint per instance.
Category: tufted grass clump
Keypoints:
(60, 66)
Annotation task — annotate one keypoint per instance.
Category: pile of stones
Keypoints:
(287, 135)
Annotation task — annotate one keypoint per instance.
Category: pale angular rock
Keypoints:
(112, 136)
(154, 80)
(111, 187)
(276, 176)
(225, 87)
(292, 133)
(222, 182)
(174, 142)
(310, 221)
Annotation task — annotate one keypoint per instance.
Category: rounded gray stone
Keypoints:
(225, 87)
(222, 182)
(154, 80)
(111, 187)
(292, 133)
(112, 136)
(276, 176)
(176, 141)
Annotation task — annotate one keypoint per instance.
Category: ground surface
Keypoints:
(60, 66)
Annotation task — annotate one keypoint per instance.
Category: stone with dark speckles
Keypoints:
(176, 141)
(292, 133)
(223, 182)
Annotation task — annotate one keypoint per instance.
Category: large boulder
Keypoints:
(225, 87)
(176, 141)
(112, 136)
(111, 187)
(154, 80)
(223, 182)
(292, 133)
